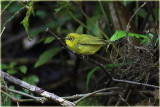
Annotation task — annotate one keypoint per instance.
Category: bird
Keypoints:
(84, 44)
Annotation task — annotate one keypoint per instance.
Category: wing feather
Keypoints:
(91, 40)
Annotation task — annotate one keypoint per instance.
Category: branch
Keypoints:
(114, 91)
(8, 95)
(77, 96)
(2, 31)
(37, 90)
(15, 99)
(38, 99)
(129, 22)
(122, 99)
(101, 90)
(135, 83)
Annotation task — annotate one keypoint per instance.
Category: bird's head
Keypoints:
(72, 39)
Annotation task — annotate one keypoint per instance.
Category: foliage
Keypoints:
(107, 66)
(32, 79)
(93, 27)
(25, 21)
(80, 29)
(44, 57)
(49, 40)
(13, 69)
(15, 9)
(121, 34)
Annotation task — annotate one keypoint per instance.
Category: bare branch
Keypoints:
(135, 83)
(128, 25)
(37, 90)
(101, 90)
(77, 96)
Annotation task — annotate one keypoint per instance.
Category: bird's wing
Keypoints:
(90, 40)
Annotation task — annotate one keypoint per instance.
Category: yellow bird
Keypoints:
(84, 44)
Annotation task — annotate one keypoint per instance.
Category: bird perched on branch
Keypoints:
(84, 44)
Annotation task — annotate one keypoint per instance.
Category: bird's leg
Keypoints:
(84, 57)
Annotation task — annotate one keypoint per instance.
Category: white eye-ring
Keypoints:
(71, 39)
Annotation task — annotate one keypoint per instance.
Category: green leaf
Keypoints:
(57, 9)
(125, 3)
(25, 90)
(8, 101)
(142, 13)
(156, 13)
(120, 34)
(61, 8)
(25, 21)
(41, 14)
(23, 69)
(32, 79)
(12, 87)
(11, 71)
(79, 29)
(12, 64)
(5, 5)
(58, 23)
(47, 55)
(117, 35)
(152, 37)
(4, 66)
(35, 32)
(18, 96)
(49, 40)
(90, 75)
(92, 25)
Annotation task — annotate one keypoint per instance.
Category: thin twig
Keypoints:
(102, 67)
(77, 20)
(15, 99)
(135, 83)
(122, 99)
(2, 31)
(90, 94)
(6, 6)
(94, 25)
(77, 96)
(17, 12)
(104, 14)
(129, 22)
(39, 99)
(8, 95)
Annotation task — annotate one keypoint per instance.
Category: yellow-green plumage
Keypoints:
(84, 44)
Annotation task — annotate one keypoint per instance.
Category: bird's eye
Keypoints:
(71, 39)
